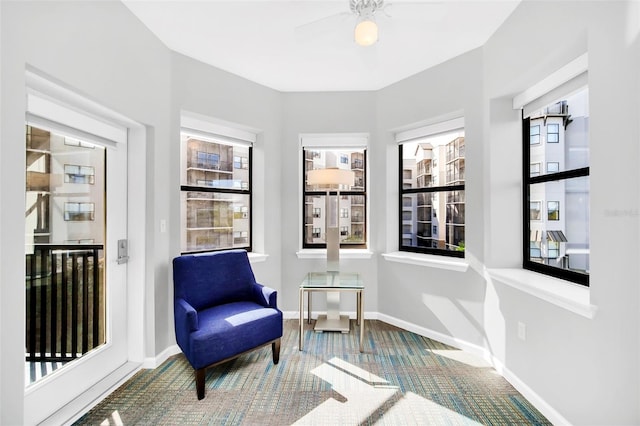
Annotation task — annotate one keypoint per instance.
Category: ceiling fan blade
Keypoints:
(323, 25)
(423, 12)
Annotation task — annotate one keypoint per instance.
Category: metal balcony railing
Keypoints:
(65, 301)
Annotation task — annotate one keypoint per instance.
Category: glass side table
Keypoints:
(332, 283)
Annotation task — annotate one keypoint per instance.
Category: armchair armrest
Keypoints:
(186, 317)
(266, 296)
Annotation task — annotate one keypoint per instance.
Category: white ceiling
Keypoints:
(305, 45)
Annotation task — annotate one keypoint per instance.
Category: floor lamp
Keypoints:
(332, 179)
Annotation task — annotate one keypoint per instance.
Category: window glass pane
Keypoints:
(534, 169)
(215, 221)
(420, 160)
(433, 216)
(215, 165)
(534, 207)
(347, 159)
(427, 213)
(351, 219)
(534, 134)
(553, 133)
(567, 130)
(564, 234)
(553, 210)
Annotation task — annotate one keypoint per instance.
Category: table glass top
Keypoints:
(332, 279)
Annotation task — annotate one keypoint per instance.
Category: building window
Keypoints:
(79, 174)
(553, 210)
(553, 133)
(534, 169)
(534, 207)
(557, 243)
(79, 212)
(351, 208)
(534, 133)
(426, 205)
(215, 193)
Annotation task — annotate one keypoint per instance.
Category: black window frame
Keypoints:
(343, 193)
(208, 189)
(527, 182)
(442, 189)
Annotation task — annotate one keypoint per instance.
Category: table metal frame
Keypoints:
(310, 289)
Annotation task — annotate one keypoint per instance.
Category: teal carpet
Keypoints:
(400, 379)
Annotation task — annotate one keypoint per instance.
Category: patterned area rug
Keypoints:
(401, 379)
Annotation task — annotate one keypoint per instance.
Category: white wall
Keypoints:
(334, 112)
(447, 302)
(587, 369)
(219, 95)
(95, 49)
(579, 370)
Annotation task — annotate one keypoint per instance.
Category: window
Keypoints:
(433, 154)
(553, 133)
(534, 133)
(79, 174)
(79, 211)
(534, 208)
(350, 208)
(534, 169)
(557, 243)
(215, 192)
(553, 210)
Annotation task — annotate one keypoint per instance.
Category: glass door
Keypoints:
(76, 303)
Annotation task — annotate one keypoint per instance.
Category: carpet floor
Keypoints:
(400, 379)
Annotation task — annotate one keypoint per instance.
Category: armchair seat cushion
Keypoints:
(232, 328)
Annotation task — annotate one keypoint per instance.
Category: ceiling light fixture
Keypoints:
(366, 31)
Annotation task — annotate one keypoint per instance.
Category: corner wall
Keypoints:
(578, 370)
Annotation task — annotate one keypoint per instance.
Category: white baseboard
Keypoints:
(549, 412)
(155, 362)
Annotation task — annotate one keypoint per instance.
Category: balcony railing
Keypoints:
(65, 301)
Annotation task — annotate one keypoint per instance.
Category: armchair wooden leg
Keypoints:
(200, 382)
(275, 348)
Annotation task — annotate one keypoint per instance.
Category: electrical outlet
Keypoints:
(522, 331)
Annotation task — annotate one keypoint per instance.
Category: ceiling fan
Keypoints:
(369, 12)
(366, 31)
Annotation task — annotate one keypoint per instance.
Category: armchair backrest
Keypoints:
(214, 278)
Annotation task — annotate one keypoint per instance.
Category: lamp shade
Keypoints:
(330, 177)
(366, 32)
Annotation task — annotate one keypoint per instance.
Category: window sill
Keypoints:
(257, 257)
(442, 262)
(572, 297)
(344, 254)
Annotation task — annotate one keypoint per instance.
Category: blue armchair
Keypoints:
(220, 312)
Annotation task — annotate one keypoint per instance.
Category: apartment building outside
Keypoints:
(559, 234)
(434, 219)
(351, 208)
